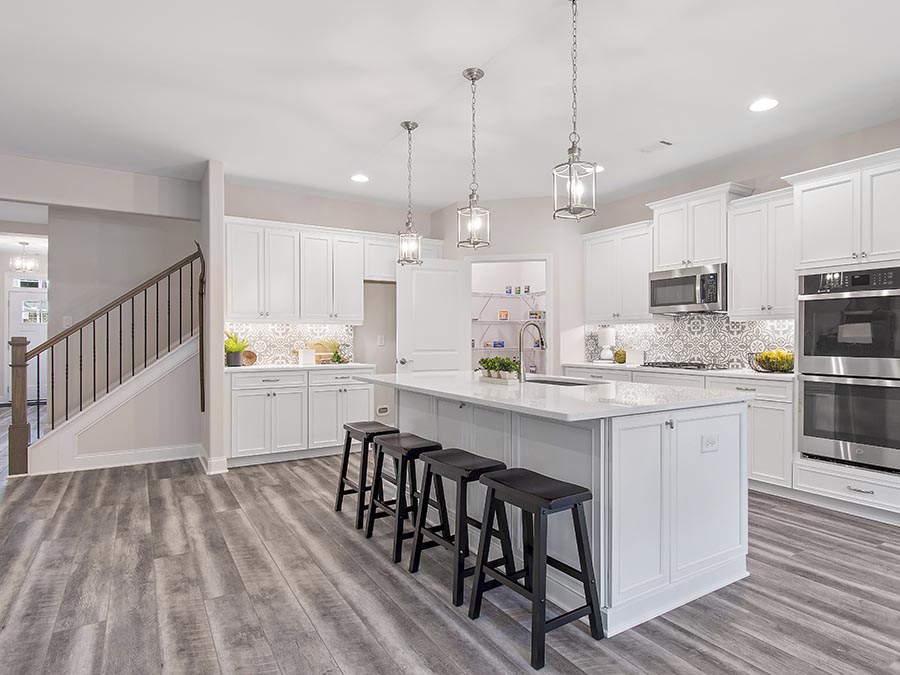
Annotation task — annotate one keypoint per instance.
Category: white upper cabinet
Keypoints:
(761, 280)
(245, 261)
(348, 270)
(848, 213)
(282, 275)
(691, 229)
(316, 277)
(617, 265)
(381, 255)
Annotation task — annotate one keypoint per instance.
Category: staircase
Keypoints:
(75, 370)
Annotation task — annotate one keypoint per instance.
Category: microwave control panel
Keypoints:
(709, 288)
(860, 280)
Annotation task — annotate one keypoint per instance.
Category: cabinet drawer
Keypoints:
(770, 390)
(599, 374)
(671, 379)
(269, 380)
(847, 486)
(337, 376)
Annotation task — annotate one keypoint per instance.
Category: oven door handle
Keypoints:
(849, 295)
(863, 381)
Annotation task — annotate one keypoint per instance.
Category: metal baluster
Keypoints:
(180, 304)
(169, 313)
(67, 377)
(52, 387)
(157, 321)
(120, 344)
(145, 328)
(80, 370)
(94, 353)
(107, 352)
(38, 401)
(132, 336)
(192, 297)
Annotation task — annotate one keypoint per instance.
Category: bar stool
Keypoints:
(462, 468)
(537, 496)
(364, 432)
(404, 448)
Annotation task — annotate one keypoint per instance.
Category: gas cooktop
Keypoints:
(689, 365)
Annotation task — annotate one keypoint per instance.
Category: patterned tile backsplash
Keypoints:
(274, 342)
(711, 338)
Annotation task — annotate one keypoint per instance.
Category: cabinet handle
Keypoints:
(462, 405)
(865, 492)
(342, 377)
(272, 380)
(597, 377)
(746, 388)
(670, 424)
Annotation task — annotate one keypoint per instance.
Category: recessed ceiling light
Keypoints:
(599, 169)
(359, 178)
(763, 104)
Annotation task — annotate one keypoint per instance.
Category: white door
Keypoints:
(600, 279)
(434, 322)
(27, 318)
(706, 231)
(670, 243)
(828, 221)
(771, 447)
(881, 213)
(289, 419)
(782, 276)
(635, 262)
(282, 275)
(250, 423)
(747, 260)
(348, 272)
(325, 416)
(357, 403)
(244, 294)
(315, 278)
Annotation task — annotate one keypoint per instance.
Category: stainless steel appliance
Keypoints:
(692, 289)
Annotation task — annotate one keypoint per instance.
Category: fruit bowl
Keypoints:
(772, 361)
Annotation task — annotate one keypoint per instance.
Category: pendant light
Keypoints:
(473, 222)
(574, 181)
(410, 240)
(24, 264)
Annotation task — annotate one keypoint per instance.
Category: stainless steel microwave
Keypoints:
(691, 289)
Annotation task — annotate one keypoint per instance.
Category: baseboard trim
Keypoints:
(214, 465)
(284, 456)
(813, 499)
(129, 457)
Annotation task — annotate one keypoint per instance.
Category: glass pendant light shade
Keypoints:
(410, 249)
(24, 264)
(574, 187)
(473, 222)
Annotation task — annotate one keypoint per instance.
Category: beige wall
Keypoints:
(296, 207)
(527, 226)
(381, 319)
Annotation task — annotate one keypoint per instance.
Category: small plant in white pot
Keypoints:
(509, 369)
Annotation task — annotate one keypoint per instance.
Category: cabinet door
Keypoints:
(707, 231)
(289, 417)
(250, 428)
(881, 213)
(282, 274)
(827, 221)
(670, 237)
(771, 442)
(381, 259)
(348, 271)
(748, 247)
(325, 416)
(635, 262)
(600, 280)
(244, 294)
(431, 248)
(315, 278)
(357, 403)
(782, 275)
(639, 505)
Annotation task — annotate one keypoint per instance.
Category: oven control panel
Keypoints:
(709, 288)
(859, 280)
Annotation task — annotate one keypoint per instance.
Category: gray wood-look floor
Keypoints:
(159, 568)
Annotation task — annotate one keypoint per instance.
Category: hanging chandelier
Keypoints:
(574, 181)
(473, 221)
(24, 264)
(410, 240)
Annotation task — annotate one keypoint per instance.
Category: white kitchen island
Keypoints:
(667, 467)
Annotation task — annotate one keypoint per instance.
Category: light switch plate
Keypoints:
(380, 340)
(67, 321)
(709, 443)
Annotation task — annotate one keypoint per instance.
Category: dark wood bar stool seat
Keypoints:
(537, 496)
(462, 468)
(404, 449)
(364, 432)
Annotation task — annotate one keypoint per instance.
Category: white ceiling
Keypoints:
(308, 93)
(12, 243)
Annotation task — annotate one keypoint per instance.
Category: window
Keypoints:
(34, 311)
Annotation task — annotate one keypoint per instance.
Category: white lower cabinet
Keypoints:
(268, 420)
(671, 379)
(289, 419)
(608, 373)
(330, 406)
(771, 442)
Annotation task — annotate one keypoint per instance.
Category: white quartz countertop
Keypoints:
(724, 372)
(322, 366)
(569, 404)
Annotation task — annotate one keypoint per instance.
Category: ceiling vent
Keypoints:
(656, 146)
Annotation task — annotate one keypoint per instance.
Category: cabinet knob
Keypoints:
(865, 255)
(684, 263)
(855, 256)
(267, 314)
(689, 262)
(670, 424)
(769, 307)
(762, 308)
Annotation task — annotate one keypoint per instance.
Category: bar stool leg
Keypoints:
(400, 511)
(505, 539)
(377, 490)
(484, 547)
(412, 479)
(527, 547)
(587, 570)
(421, 521)
(539, 590)
(460, 543)
(362, 480)
(342, 476)
(442, 506)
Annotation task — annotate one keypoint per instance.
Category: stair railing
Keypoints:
(128, 320)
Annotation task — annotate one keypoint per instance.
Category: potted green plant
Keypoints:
(509, 369)
(234, 349)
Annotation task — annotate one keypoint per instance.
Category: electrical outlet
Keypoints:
(709, 443)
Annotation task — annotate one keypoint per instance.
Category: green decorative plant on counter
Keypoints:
(499, 367)
(234, 349)
(335, 348)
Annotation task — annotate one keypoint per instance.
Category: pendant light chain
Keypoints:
(574, 137)
(409, 216)
(474, 186)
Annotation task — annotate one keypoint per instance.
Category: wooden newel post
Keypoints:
(19, 429)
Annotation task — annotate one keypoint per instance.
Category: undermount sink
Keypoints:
(559, 383)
